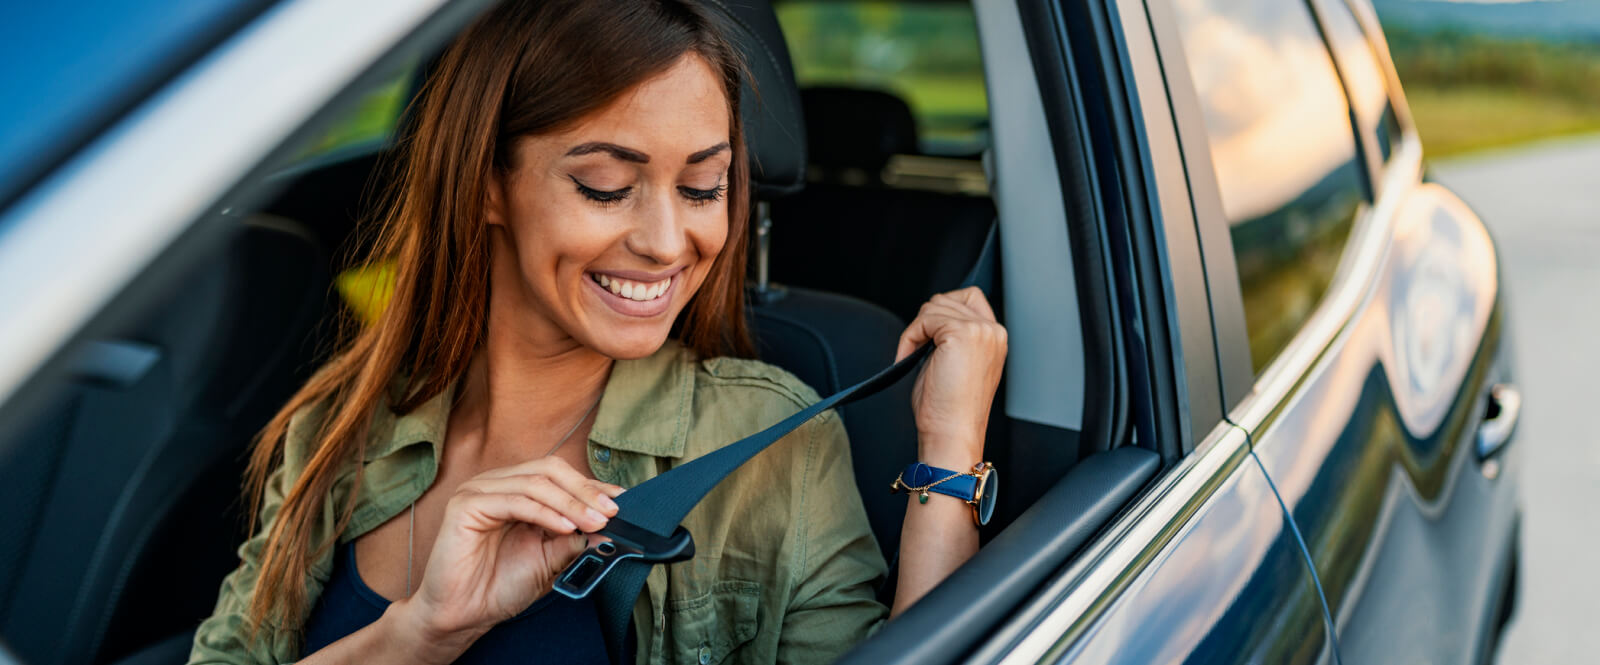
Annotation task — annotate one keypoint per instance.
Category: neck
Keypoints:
(522, 393)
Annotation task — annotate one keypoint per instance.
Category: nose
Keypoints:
(659, 233)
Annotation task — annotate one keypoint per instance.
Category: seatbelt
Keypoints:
(646, 529)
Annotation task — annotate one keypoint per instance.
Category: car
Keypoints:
(1259, 405)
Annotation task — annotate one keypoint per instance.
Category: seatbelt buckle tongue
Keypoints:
(627, 542)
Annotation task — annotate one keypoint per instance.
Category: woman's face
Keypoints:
(602, 232)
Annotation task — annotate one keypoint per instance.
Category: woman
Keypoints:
(566, 321)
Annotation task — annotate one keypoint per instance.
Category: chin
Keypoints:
(629, 345)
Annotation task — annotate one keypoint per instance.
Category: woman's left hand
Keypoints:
(957, 385)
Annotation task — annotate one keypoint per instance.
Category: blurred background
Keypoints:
(1506, 96)
(1485, 74)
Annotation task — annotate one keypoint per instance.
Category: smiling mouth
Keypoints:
(632, 290)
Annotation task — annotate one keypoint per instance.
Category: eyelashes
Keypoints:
(601, 196)
(703, 196)
(604, 197)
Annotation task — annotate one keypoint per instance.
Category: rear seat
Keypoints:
(849, 232)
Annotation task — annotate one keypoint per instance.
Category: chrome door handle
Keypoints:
(1499, 420)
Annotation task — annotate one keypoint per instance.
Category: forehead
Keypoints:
(680, 111)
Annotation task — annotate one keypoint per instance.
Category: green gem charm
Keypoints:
(923, 498)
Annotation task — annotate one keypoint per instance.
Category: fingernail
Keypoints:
(611, 506)
(568, 524)
(596, 516)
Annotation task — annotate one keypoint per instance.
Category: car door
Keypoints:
(1205, 566)
(1366, 356)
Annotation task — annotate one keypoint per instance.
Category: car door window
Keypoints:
(1362, 74)
(924, 53)
(1278, 128)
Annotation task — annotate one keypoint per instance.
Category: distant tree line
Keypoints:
(1449, 57)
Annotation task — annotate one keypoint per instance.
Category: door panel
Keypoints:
(1230, 587)
(1373, 449)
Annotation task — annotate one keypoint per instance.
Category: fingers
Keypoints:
(914, 336)
(549, 492)
(596, 494)
(974, 298)
(965, 313)
(561, 552)
(485, 512)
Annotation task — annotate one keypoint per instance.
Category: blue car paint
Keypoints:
(72, 66)
(1231, 587)
(1374, 451)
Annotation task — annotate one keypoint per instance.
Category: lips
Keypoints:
(635, 294)
(631, 289)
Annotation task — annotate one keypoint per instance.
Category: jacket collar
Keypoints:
(647, 403)
(645, 409)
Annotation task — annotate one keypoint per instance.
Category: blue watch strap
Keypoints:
(964, 486)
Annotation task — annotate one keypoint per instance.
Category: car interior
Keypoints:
(125, 493)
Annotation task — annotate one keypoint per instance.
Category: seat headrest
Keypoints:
(857, 128)
(773, 128)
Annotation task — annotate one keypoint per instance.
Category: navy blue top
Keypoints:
(564, 630)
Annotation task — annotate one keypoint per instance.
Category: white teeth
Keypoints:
(637, 291)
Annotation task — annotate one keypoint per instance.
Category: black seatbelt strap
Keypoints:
(646, 529)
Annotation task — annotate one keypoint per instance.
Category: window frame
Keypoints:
(1372, 31)
(1364, 123)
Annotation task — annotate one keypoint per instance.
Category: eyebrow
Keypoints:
(612, 149)
(703, 155)
(629, 155)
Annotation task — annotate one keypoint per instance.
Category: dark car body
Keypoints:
(1268, 418)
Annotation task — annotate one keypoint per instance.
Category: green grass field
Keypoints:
(1471, 91)
(1463, 119)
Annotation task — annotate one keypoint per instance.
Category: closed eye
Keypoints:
(601, 196)
(703, 196)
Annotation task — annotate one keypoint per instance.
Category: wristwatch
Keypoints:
(977, 487)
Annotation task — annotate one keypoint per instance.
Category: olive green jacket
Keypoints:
(785, 564)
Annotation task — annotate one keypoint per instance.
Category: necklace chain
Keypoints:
(411, 528)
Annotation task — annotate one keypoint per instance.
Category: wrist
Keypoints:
(954, 453)
(976, 486)
(408, 626)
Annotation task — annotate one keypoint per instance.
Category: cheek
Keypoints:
(709, 237)
(554, 243)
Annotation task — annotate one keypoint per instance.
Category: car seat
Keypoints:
(934, 236)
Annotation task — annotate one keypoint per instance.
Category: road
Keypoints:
(1541, 205)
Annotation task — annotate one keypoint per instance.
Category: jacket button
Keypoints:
(705, 655)
(602, 454)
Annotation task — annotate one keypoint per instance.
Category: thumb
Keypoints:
(564, 549)
(915, 336)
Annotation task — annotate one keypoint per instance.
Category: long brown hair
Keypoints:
(525, 68)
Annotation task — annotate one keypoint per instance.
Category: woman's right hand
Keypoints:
(506, 535)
